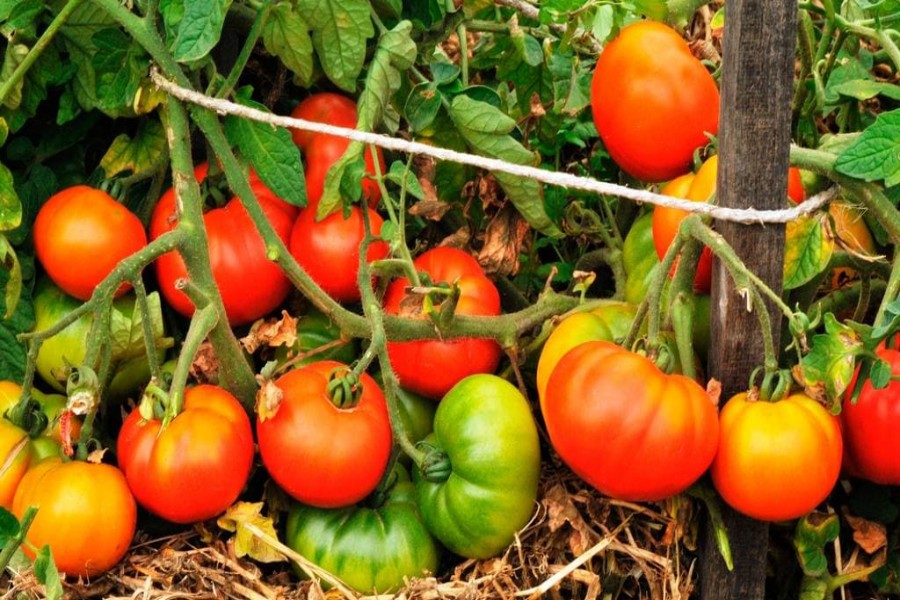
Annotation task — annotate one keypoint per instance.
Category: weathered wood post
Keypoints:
(754, 142)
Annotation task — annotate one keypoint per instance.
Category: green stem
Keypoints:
(846, 298)
(16, 76)
(246, 51)
(202, 323)
(398, 217)
(890, 292)
(147, 325)
(655, 292)
(14, 543)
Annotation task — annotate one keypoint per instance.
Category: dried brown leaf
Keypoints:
(430, 209)
(245, 543)
(205, 367)
(505, 240)
(869, 535)
(271, 332)
(561, 511)
(714, 391)
(268, 400)
(537, 108)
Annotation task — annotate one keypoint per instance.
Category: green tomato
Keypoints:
(67, 348)
(484, 491)
(372, 548)
(640, 258)
(315, 329)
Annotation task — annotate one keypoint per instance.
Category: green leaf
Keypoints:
(286, 35)
(12, 288)
(340, 30)
(127, 330)
(486, 131)
(827, 370)
(119, 66)
(402, 176)
(890, 322)
(46, 573)
(78, 33)
(199, 29)
(10, 205)
(880, 374)
(865, 89)
(272, 153)
(12, 58)
(814, 532)
(9, 526)
(807, 250)
(140, 156)
(13, 351)
(875, 155)
(422, 106)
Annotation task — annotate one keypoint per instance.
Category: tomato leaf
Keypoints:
(245, 543)
(10, 205)
(12, 351)
(9, 526)
(807, 250)
(340, 30)
(127, 331)
(12, 289)
(880, 374)
(813, 533)
(286, 35)
(875, 155)
(119, 65)
(272, 152)
(890, 323)
(141, 155)
(46, 573)
(199, 29)
(486, 130)
(827, 370)
(865, 89)
(78, 34)
(422, 106)
(402, 176)
(12, 58)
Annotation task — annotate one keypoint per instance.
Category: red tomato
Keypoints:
(321, 151)
(776, 460)
(86, 514)
(320, 454)
(627, 428)
(251, 285)
(653, 101)
(870, 427)
(81, 234)
(795, 186)
(329, 249)
(432, 367)
(197, 466)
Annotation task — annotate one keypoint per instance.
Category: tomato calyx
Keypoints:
(83, 390)
(435, 467)
(775, 385)
(344, 388)
(382, 492)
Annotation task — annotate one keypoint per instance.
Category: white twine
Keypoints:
(566, 180)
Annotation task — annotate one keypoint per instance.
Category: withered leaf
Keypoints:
(245, 543)
(869, 535)
(271, 332)
(504, 242)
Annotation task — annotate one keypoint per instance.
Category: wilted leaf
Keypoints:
(561, 511)
(140, 155)
(271, 333)
(431, 209)
(504, 242)
(869, 535)
(827, 370)
(268, 399)
(205, 367)
(245, 543)
(813, 533)
(807, 250)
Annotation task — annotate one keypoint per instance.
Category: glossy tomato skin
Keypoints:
(321, 151)
(639, 258)
(86, 514)
(607, 322)
(320, 454)
(653, 102)
(485, 428)
(796, 191)
(627, 428)
(197, 466)
(81, 234)
(776, 460)
(329, 249)
(870, 427)
(432, 367)
(371, 548)
(17, 455)
(251, 285)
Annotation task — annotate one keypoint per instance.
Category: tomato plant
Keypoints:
(17, 454)
(480, 487)
(432, 367)
(315, 330)
(51, 405)
(625, 427)
(196, 466)
(86, 514)
(373, 546)
(329, 249)
(236, 251)
(776, 460)
(870, 427)
(81, 234)
(653, 102)
(321, 151)
(320, 453)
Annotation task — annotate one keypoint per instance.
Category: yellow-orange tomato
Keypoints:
(52, 405)
(776, 460)
(16, 455)
(86, 514)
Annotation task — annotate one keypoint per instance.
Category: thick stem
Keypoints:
(203, 321)
(16, 76)
(147, 326)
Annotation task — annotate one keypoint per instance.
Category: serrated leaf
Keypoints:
(486, 131)
(340, 30)
(199, 29)
(286, 35)
(140, 155)
(827, 370)
(813, 533)
(245, 543)
(272, 153)
(807, 250)
(46, 573)
(875, 155)
(865, 89)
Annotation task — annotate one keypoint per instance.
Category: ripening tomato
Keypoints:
(776, 460)
(197, 466)
(321, 454)
(329, 249)
(251, 285)
(81, 234)
(53, 406)
(653, 102)
(86, 514)
(870, 427)
(321, 151)
(795, 189)
(432, 367)
(853, 234)
(625, 427)
(16, 456)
